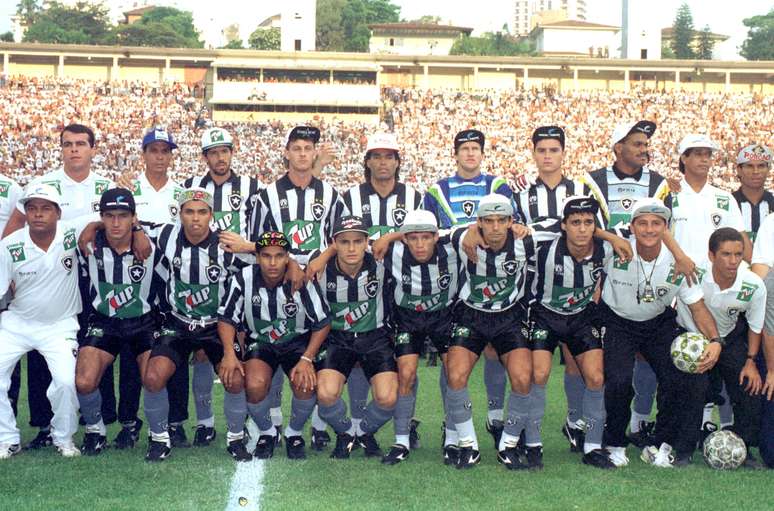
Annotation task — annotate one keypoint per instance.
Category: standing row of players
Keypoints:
(286, 324)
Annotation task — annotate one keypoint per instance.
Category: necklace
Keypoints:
(647, 296)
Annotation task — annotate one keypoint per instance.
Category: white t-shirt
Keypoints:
(625, 279)
(77, 198)
(747, 294)
(10, 193)
(156, 206)
(695, 216)
(763, 250)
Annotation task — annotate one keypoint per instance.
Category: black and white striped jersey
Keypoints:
(381, 215)
(304, 215)
(195, 275)
(617, 192)
(359, 304)
(540, 201)
(753, 214)
(233, 201)
(424, 287)
(119, 285)
(272, 314)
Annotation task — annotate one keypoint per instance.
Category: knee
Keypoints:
(326, 395)
(521, 383)
(302, 394)
(237, 384)
(84, 384)
(256, 389)
(456, 376)
(153, 381)
(540, 375)
(407, 378)
(594, 380)
(385, 398)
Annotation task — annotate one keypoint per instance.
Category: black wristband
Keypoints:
(719, 340)
(751, 357)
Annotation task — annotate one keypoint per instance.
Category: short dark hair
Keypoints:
(368, 171)
(722, 235)
(79, 129)
(680, 164)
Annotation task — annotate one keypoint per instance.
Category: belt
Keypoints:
(193, 324)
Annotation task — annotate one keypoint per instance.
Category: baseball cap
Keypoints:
(40, 191)
(547, 133)
(158, 134)
(695, 140)
(651, 206)
(494, 204)
(272, 239)
(195, 193)
(382, 141)
(468, 136)
(214, 137)
(419, 220)
(623, 130)
(349, 223)
(754, 153)
(117, 198)
(303, 133)
(579, 204)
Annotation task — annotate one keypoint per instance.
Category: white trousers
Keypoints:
(57, 343)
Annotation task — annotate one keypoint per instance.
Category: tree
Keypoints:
(705, 44)
(6, 37)
(265, 39)
(683, 33)
(426, 19)
(180, 22)
(234, 44)
(154, 34)
(759, 44)
(491, 44)
(342, 25)
(85, 23)
(28, 10)
(667, 52)
(330, 34)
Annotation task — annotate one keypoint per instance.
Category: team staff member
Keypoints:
(766, 368)
(753, 164)
(40, 260)
(283, 329)
(121, 292)
(635, 310)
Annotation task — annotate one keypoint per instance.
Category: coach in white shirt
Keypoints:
(154, 192)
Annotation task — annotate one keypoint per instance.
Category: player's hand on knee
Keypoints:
(228, 368)
(303, 376)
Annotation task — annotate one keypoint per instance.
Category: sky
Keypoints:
(723, 16)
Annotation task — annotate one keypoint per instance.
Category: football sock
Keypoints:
(518, 411)
(358, 387)
(375, 417)
(494, 379)
(91, 407)
(444, 385)
(594, 416)
(300, 410)
(260, 414)
(403, 412)
(573, 389)
(317, 422)
(537, 409)
(336, 416)
(636, 420)
(461, 413)
(156, 406)
(201, 384)
(235, 410)
(275, 397)
(707, 413)
(726, 410)
(645, 384)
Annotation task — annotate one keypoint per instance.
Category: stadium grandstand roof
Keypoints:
(419, 28)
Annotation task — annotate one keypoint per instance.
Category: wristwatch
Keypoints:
(719, 340)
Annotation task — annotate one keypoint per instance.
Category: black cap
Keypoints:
(303, 133)
(117, 198)
(546, 133)
(272, 239)
(468, 136)
(579, 204)
(349, 223)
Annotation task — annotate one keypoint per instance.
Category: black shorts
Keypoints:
(504, 330)
(285, 354)
(581, 332)
(111, 335)
(373, 350)
(413, 328)
(176, 341)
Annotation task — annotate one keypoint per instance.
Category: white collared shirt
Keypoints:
(763, 249)
(77, 198)
(156, 206)
(10, 193)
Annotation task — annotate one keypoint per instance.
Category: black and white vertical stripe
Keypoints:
(236, 196)
(381, 214)
(539, 201)
(753, 214)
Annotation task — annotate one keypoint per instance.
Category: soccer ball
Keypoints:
(686, 351)
(724, 450)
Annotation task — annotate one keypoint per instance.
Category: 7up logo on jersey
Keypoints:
(277, 331)
(303, 235)
(5, 186)
(425, 303)
(377, 231)
(746, 293)
(69, 241)
(354, 316)
(226, 220)
(673, 277)
(100, 186)
(120, 300)
(490, 289)
(17, 252)
(196, 301)
(571, 299)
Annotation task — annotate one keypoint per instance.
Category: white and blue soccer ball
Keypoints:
(686, 351)
(724, 450)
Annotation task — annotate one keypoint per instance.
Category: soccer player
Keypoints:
(283, 329)
(121, 292)
(196, 270)
(358, 295)
(454, 200)
(635, 310)
(40, 260)
(753, 164)
(732, 290)
(425, 269)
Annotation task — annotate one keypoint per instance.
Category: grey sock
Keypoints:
(494, 379)
(375, 417)
(404, 410)
(91, 407)
(594, 415)
(645, 385)
(358, 387)
(201, 384)
(336, 416)
(460, 407)
(300, 411)
(573, 389)
(156, 406)
(726, 410)
(275, 392)
(260, 414)
(444, 384)
(235, 410)
(537, 409)
(518, 411)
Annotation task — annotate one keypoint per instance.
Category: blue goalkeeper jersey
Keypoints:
(454, 200)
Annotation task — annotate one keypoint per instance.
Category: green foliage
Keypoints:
(234, 44)
(491, 44)
(330, 35)
(85, 23)
(154, 34)
(342, 25)
(427, 18)
(7, 37)
(28, 10)
(265, 39)
(179, 22)
(759, 44)
(683, 33)
(705, 44)
(667, 52)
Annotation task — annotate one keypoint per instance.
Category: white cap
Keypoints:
(754, 153)
(213, 137)
(622, 130)
(382, 141)
(419, 220)
(40, 191)
(651, 206)
(695, 140)
(494, 204)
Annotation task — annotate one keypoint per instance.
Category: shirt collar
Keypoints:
(620, 175)
(205, 243)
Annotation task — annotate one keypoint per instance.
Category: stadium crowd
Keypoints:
(33, 110)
